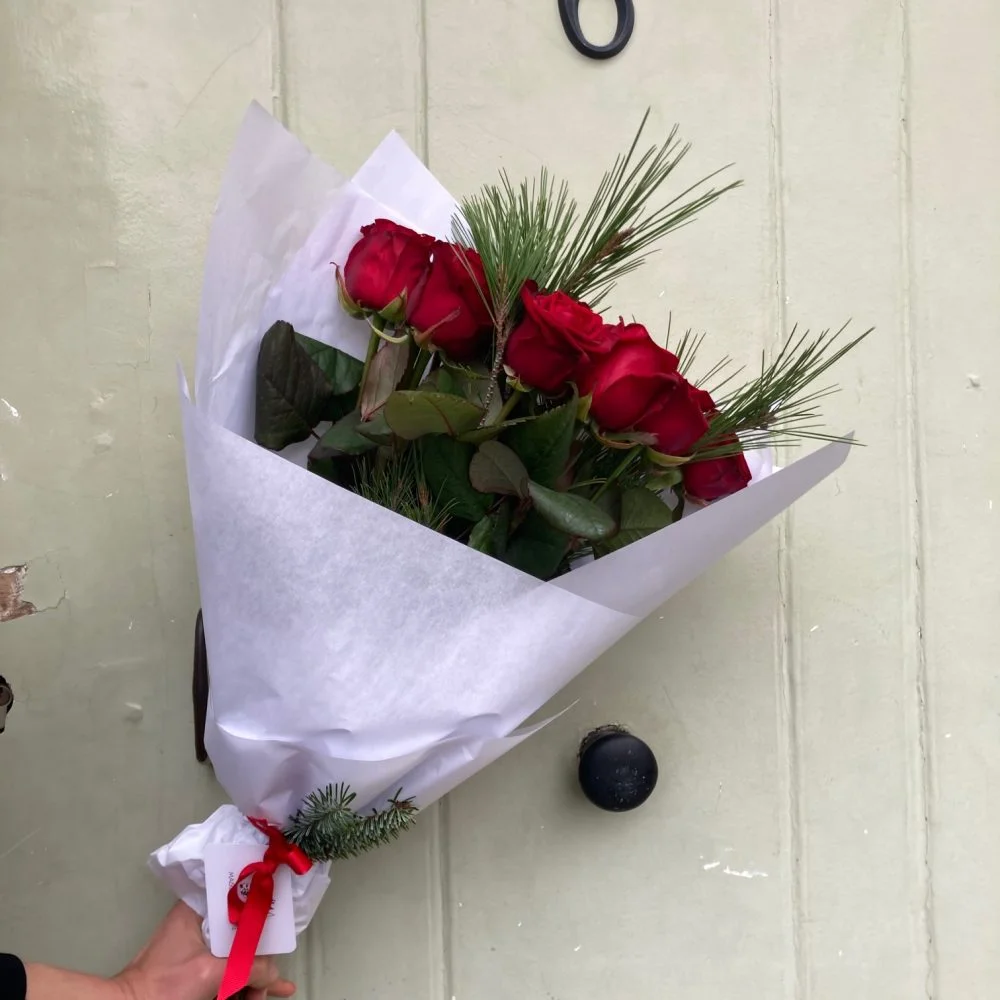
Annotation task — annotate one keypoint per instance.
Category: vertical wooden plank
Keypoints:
(688, 896)
(954, 144)
(345, 74)
(115, 122)
(352, 72)
(852, 630)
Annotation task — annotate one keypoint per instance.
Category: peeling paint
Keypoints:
(9, 411)
(12, 606)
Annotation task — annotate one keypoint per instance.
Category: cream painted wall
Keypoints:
(824, 704)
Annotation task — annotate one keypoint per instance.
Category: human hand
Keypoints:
(176, 965)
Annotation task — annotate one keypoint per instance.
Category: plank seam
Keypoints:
(788, 679)
(923, 783)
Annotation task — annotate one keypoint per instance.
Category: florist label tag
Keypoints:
(223, 864)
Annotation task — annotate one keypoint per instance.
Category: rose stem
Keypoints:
(512, 401)
(412, 381)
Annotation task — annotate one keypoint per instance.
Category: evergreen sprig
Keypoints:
(519, 233)
(395, 480)
(776, 408)
(328, 829)
(617, 230)
(531, 231)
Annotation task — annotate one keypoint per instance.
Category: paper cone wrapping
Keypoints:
(345, 642)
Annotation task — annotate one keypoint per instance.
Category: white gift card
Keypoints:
(223, 864)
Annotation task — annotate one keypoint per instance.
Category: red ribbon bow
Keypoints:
(249, 916)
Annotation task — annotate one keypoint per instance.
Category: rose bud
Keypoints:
(388, 261)
(626, 382)
(675, 418)
(714, 478)
(447, 309)
(556, 340)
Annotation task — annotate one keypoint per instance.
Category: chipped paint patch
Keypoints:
(9, 411)
(12, 605)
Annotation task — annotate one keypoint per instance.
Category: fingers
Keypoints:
(265, 981)
(281, 988)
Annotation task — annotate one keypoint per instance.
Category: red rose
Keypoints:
(705, 402)
(556, 341)
(627, 381)
(448, 307)
(716, 477)
(675, 418)
(387, 261)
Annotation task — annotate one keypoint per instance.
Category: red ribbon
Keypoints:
(249, 915)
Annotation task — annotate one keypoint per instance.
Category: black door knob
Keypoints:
(618, 771)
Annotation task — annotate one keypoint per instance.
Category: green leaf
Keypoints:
(665, 480)
(495, 468)
(642, 513)
(445, 464)
(571, 513)
(491, 431)
(477, 392)
(343, 438)
(490, 533)
(387, 368)
(376, 429)
(341, 370)
(292, 390)
(543, 443)
(444, 380)
(537, 548)
(481, 538)
(413, 414)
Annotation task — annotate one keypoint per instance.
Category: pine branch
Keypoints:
(775, 407)
(617, 230)
(395, 480)
(519, 233)
(376, 829)
(531, 231)
(327, 829)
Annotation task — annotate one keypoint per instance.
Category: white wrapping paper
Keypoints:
(347, 643)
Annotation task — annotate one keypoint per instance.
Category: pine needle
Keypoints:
(394, 480)
(531, 231)
(327, 829)
(775, 408)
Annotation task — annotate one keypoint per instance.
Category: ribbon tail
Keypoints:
(248, 933)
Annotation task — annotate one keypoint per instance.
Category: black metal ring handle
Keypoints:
(569, 12)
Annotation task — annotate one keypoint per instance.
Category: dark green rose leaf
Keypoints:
(543, 443)
(495, 468)
(413, 414)
(341, 370)
(490, 533)
(641, 513)
(445, 464)
(572, 514)
(480, 434)
(343, 438)
(481, 538)
(444, 380)
(376, 429)
(292, 390)
(537, 548)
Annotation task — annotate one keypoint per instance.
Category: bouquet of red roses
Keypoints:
(496, 405)
(474, 480)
